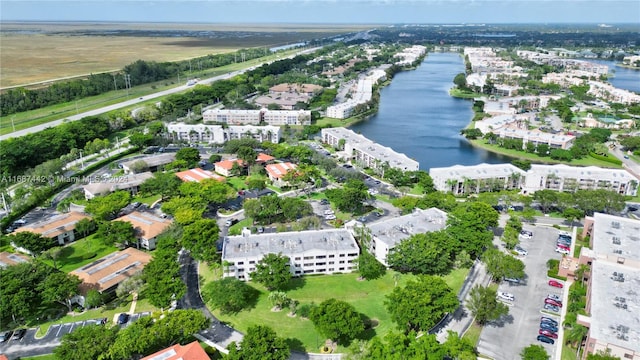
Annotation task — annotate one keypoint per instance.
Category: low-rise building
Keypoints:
(61, 227)
(535, 136)
(217, 134)
(224, 167)
(459, 179)
(191, 351)
(591, 121)
(256, 117)
(130, 183)
(562, 177)
(365, 152)
(147, 227)
(106, 273)
(277, 171)
(386, 234)
(613, 306)
(286, 117)
(198, 174)
(10, 259)
(151, 163)
(310, 252)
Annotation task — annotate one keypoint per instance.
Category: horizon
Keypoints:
(360, 12)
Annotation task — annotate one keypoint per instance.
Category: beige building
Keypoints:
(10, 259)
(130, 183)
(197, 175)
(147, 227)
(61, 228)
(459, 179)
(277, 171)
(106, 273)
(151, 163)
(562, 177)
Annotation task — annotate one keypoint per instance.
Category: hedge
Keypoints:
(606, 158)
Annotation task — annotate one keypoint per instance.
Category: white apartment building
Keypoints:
(608, 92)
(360, 94)
(217, 134)
(365, 152)
(255, 117)
(459, 179)
(386, 234)
(570, 178)
(310, 252)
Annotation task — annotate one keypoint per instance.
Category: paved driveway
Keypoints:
(505, 339)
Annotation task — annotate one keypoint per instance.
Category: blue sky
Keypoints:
(326, 11)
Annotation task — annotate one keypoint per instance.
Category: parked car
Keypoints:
(506, 296)
(548, 333)
(5, 336)
(260, 229)
(123, 318)
(329, 212)
(526, 234)
(548, 327)
(520, 251)
(553, 302)
(563, 251)
(545, 339)
(551, 308)
(18, 334)
(324, 202)
(548, 320)
(230, 222)
(554, 297)
(556, 283)
(330, 217)
(512, 280)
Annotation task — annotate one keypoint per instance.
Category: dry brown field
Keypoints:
(37, 52)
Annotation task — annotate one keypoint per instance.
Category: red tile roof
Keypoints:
(191, 351)
(228, 164)
(198, 175)
(278, 170)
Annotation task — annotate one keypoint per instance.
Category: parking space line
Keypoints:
(60, 328)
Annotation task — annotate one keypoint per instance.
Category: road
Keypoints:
(130, 102)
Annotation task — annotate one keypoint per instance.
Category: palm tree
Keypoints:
(576, 335)
(451, 184)
(581, 271)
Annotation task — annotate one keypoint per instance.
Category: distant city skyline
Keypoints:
(326, 11)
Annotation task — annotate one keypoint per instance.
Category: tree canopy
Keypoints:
(229, 294)
(425, 253)
(272, 271)
(337, 320)
(200, 239)
(501, 265)
(90, 342)
(260, 343)
(484, 305)
(534, 352)
(421, 303)
(470, 223)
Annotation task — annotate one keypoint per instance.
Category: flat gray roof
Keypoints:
(288, 243)
(153, 160)
(617, 236)
(480, 171)
(394, 230)
(615, 304)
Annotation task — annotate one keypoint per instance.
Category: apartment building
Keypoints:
(60, 228)
(360, 94)
(151, 163)
(613, 306)
(520, 131)
(386, 234)
(256, 117)
(10, 259)
(562, 177)
(191, 351)
(277, 171)
(217, 134)
(130, 183)
(198, 175)
(310, 252)
(106, 273)
(147, 227)
(609, 92)
(365, 152)
(224, 167)
(460, 179)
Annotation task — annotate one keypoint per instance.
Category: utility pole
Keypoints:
(178, 76)
(13, 124)
(115, 84)
(81, 160)
(127, 82)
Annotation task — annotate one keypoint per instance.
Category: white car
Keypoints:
(525, 234)
(520, 251)
(330, 217)
(563, 251)
(554, 297)
(506, 296)
(329, 212)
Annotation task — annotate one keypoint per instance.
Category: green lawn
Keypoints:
(587, 161)
(367, 297)
(81, 252)
(41, 357)
(568, 353)
(149, 200)
(473, 333)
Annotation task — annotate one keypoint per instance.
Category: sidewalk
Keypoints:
(461, 318)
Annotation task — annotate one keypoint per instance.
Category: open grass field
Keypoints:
(366, 296)
(36, 52)
(81, 252)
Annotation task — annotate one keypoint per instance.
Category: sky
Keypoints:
(326, 11)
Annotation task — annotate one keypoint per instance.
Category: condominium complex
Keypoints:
(151, 163)
(386, 234)
(130, 183)
(61, 227)
(461, 179)
(571, 178)
(310, 252)
(147, 227)
(613, 305)
(255, 117)
(361, 93)
(217, 134)
(365, 152)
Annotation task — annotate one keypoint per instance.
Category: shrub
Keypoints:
(608, 159)
(305, 310)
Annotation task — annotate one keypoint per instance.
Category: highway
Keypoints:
(130, 102)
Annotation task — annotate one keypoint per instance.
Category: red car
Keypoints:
(553, 302)
(562, 246)
(548, 333)
(555, 283)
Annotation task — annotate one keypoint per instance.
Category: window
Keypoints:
(341, 261)
(321, 256)
(252, 262)
(331, 256)
(321, 270)
(332, 269)
(241, 277)
(628, 356)
(296, 265)
(308, 264)
(341, 269)
(298, 272)
(298, 258)
(308, 271)
(240, 263)
(331, 262)
(252, 269)
(321, 263)
(341, 255)
(308, 257)
(353, 254)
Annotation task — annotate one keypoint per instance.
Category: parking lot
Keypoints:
(29, 344)
(506, 339)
